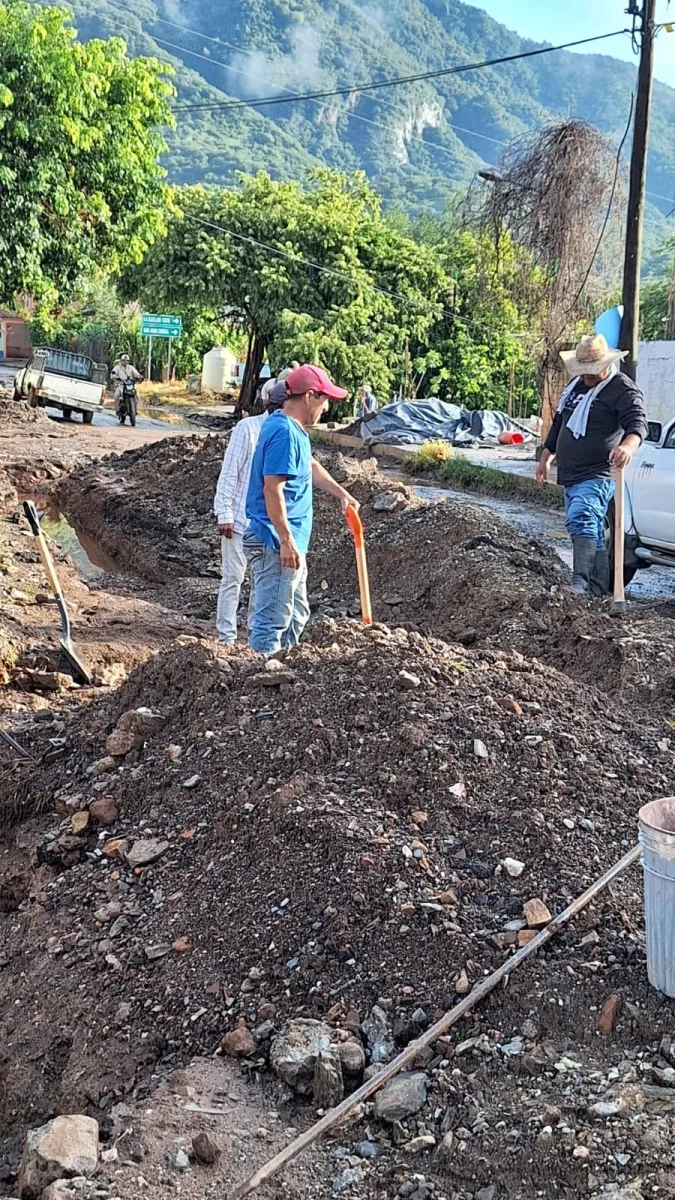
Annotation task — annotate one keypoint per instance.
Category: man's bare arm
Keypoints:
(325, 482)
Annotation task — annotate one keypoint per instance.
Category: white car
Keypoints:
(650, 504)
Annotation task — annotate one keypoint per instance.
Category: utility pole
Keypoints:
(636, 198)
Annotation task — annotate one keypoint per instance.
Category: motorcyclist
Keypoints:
(122, 371)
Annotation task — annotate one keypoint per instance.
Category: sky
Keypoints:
(556, 22)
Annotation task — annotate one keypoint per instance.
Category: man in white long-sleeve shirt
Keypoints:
(230, 509)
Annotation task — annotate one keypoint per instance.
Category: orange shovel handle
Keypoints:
(356, 525)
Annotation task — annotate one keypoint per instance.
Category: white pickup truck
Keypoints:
(650, 504)
(61, 379)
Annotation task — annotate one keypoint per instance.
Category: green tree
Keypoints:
(484, 337)
(81, 188)
(654, 310)
(313, 273)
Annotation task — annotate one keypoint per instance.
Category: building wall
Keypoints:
(656, 379)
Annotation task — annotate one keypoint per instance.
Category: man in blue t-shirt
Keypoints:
(279, 510)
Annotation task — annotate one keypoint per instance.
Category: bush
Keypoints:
(430, 456)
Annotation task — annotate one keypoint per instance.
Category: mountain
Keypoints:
(417, 142)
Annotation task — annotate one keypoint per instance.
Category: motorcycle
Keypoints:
(128, 404)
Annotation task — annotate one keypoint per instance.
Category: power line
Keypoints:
(250, 75)
(345, 275)
(383, 83)
(368, 120)
(345, 112)
(356, 116)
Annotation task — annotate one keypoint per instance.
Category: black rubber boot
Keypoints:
(599, 581)
(585, 550)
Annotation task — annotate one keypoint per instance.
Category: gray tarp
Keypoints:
(415, 421)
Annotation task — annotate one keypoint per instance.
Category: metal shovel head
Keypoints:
(79, 666)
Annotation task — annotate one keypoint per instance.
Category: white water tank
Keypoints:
(218, 369)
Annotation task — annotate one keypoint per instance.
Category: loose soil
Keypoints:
(332, 833)
(344, 825)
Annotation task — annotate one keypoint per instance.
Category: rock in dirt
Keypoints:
(142, 721)
(401, 1098)
(389, 502)
(536, 914)
(122, 742)
(327, 1084)
(352, 1057)
(104, 811)
(146, 851)
(376, 1031)
(407, 681)
(462, 985)
(61, 1149)
(294, 1052)
(609, 1013)
(239, 1043)
(205, 1149)
(103, 766)
(513, 867)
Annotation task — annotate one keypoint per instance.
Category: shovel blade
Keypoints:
(80, 668)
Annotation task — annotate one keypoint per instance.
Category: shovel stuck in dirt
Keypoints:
(356, 525)
(80, 669)
(619, 605)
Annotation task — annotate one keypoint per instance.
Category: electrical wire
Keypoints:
(357, 116)
(251, 75)
(384, 83)
(345, 275)
(345, 112)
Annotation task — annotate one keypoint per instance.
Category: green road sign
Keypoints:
(153, 326)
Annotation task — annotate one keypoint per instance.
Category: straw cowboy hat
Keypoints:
(592, 356)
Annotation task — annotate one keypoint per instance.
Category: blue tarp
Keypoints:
(415, 421)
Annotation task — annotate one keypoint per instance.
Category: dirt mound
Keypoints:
(325, 832)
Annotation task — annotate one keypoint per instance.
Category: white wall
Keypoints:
(656, 379)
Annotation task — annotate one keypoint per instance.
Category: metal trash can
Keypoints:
(657, 836)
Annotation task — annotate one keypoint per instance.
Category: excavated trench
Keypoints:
(481, 573)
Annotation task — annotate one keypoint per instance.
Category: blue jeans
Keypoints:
(586, 507)
(280, 605)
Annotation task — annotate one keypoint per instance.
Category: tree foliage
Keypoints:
(311, 273)
(318, 274)
(81, 188)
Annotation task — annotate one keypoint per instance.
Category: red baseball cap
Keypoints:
(312, 379)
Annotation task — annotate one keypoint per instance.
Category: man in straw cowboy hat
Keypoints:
(599, 424)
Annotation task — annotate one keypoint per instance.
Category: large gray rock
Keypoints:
(64, 1148)
(400, 1098)
(294, 1052)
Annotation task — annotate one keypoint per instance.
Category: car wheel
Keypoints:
(17, 395)
(32, 398)
(67, 413)
(630, 569)
(87, 418)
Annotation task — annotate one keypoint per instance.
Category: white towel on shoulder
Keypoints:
(579, 420)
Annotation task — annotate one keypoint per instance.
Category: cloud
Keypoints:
(377, 16)
(258, 75)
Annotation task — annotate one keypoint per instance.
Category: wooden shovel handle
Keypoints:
(619, 538)
(43, 550)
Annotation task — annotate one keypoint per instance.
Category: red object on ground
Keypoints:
(511, 437)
